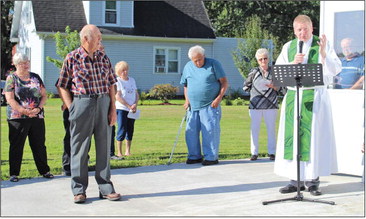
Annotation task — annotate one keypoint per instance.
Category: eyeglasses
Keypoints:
(24, 63)
(262, 59)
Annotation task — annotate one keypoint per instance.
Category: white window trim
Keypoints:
(166, 48)
(118, 15)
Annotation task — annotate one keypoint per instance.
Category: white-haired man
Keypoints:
(87, 73)
(205, 84)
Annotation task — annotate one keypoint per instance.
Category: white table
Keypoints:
(348, 119)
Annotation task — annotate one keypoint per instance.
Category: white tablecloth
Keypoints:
(348, 119)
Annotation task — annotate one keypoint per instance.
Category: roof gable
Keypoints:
(55, 15)
(171, 18)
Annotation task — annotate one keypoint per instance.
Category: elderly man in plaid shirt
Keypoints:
(87, 73)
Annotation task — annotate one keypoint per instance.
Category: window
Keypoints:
(166, 60)
(110, 16)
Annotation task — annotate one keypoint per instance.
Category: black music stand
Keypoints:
(298, 75)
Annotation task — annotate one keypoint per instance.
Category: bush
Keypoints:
(227, 101)
(143, 96)
(50, 95)
(233, 94)
(238, 102)
(163, 92)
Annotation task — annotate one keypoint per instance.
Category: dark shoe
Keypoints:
(254, 157)
(314, 190)
(209, 162)
(79, 198)
(48, 175)
(290, 188)
(272, 157)
(66, 173)
(14, 178)
(111, 197)
(189, 161)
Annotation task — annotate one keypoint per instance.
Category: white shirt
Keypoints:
(331, 67)
(128, 92)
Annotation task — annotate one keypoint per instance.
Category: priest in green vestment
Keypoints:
(317, 143)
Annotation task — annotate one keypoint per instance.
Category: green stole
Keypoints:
(306, 108)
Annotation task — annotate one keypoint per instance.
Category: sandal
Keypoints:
(48, 175)
(14, 178)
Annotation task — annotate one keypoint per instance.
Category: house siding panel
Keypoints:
(126, 14)
(50, 70)
(139, 55)
(96, 13)
(223, 48)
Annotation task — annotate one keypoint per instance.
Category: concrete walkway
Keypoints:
(231, 188)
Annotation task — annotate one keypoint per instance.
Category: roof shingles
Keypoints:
(170, 18)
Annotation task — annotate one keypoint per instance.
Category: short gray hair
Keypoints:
(261, 51)
(196, 50)
(20, 57)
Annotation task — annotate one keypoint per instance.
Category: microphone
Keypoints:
(301, 43)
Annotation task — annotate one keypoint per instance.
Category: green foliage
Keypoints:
(238, 102)
(250, 40)
(50, 95)
(143, 96)
(277, 17)
(227, 101)
(233, 94)
(163, 92)
(65, 43)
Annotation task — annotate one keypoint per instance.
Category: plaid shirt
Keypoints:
(83, 75)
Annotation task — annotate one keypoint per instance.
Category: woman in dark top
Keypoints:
(26, 96)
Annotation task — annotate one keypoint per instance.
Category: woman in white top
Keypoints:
(126, 100)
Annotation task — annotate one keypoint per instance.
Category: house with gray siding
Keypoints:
(152, 36)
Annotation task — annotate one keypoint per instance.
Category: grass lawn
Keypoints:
(154, 137)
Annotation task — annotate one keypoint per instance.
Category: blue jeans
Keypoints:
(125, 126)
(206, 121)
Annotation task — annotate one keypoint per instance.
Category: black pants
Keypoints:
(66, 154)
(19, 129)
(112, 139)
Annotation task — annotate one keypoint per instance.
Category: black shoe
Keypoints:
(48, 175)
(290, 188)
(189, 161)
(66, 173)
(14, 178)
(314, 190)
(209, 162)
(254, 157)
(272, 157)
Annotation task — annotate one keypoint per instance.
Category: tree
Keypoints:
(65, 43)
(6, 45)
(250, 40)
(227, 17)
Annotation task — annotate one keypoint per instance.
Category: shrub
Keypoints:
(238, 102)
(227, 101)
(50, 95)
(143, 96)
(163, 92)
(233, 94)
